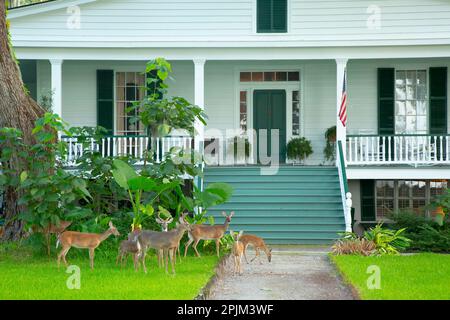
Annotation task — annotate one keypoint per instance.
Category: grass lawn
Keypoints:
(419, 277)
(25, 276)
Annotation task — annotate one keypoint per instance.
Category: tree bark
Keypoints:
(17, 110)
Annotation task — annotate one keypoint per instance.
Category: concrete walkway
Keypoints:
(298, 273)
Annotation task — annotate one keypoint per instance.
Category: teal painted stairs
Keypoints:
(298, 205)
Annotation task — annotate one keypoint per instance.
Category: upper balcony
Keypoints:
(399, 149)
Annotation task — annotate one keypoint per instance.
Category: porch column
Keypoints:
(56, 83)
(199, 99)
(341, 131)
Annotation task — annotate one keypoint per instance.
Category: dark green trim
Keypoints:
(269, 112)
(105, 99)
(368, 206)
(342, 164)
(28, 70)
(271, 16)
(386, 100)
(438, 100)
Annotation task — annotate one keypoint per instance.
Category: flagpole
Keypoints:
(341, 130)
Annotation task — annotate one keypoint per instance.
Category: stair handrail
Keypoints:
(345, 193)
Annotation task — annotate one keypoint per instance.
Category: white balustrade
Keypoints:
(123, 146)
(398, 149)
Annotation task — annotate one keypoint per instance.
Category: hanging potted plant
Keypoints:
(329, 151)
(298, 149)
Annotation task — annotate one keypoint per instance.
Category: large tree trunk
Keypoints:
(17, 110)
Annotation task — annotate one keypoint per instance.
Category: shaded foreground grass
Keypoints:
(25, 276)
(423, 276)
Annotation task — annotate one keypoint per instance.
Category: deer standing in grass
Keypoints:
(237, 251)
(203, 232)
(165, 241)
(51, 229)
(130, 246)
(258, 244)
(69, 239)
(164, 228)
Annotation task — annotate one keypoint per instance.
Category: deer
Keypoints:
(237, 251)
(91, 241)
(258, 244)
(164, 228)
(203, 232)
(130, 246)
(165, 241)
(51, 229)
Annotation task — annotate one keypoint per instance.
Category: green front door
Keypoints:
(269, 112)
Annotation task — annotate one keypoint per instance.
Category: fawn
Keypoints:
(165, 241)
(203, 232)
(51, 229)
(130, 246)
(69, 239)
(258, 244)
(237, 251)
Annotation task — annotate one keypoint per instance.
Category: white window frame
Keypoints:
(415, 69)
(288, 86)
(125, 70)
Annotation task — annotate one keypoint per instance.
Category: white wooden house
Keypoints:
(244, 59)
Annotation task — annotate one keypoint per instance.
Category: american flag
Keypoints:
(343, 109)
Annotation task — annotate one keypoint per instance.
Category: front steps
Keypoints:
(298, 205)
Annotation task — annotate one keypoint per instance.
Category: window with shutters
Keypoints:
(271, 16)
(128, 89)
(411, 102)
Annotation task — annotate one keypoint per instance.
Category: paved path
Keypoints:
(295, 273)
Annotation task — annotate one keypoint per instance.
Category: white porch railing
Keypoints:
(117, 146)
(414, 150)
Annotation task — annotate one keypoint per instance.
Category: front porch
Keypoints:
(226, 89)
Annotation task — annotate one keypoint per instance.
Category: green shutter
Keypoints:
(105, 99)
(29, 76)
(367, 200)
(386, 101)
(271, 16)
(438, 100)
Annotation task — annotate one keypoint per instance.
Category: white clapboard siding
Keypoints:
(147, 23)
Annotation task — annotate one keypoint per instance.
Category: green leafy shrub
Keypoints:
(48, 192)
(387, 241)
(425, 233)
(299, 148)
